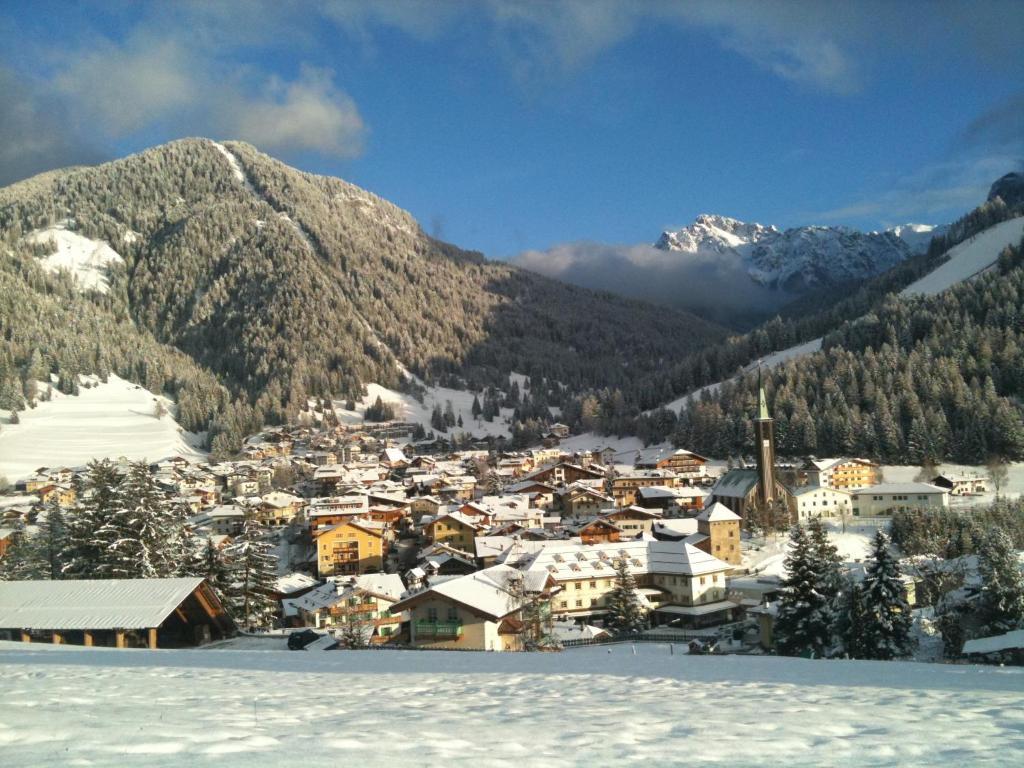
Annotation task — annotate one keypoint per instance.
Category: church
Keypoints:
(748, 491)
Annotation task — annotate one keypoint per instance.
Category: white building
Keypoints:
(812, 501)
(882, 499)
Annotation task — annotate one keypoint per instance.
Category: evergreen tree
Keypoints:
(831, 583)
(476, 410)
(20, 562)
(805, 619)
(51, 541)
(884, 631)
(1002, 590)
(253, 577)
(98, 501)
(624, 612)
(211, 563)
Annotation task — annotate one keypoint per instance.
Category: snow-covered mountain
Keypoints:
(800, 258)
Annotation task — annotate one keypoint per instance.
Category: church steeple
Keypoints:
(764, 434)
(762, 401)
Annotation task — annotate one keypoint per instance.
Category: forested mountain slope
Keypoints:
(248, 286)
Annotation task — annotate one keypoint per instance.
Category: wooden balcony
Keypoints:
(442, 629)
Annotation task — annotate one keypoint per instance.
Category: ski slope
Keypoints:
(968, 259)
(586, 707)
(106, 421)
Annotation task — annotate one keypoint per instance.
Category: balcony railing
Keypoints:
(438, 629)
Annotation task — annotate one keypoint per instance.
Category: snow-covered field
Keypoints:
(86, 260)
(969, 258)
(593, 707)
(1013, 488)
(408, 408)
(106, 421)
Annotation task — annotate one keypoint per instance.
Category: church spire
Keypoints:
(762, 401)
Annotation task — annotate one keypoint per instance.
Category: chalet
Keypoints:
(632, 521)
(223, 520)
(843, 473)
(686, 465)
(481, 611)
(559, 430)
(686, 497)
(625, 487)
(279, 508)
(597, 531)
(166, 613)
(961, 485)
(583, 501)
(332, 510)
(882, 499)
(364, 601)
(350, 548)
(564, 473)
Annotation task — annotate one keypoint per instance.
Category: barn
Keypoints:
(122, 613)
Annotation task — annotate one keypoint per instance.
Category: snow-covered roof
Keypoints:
(717, 513)
(485, 591)
(92, 603)
(900, 488)
(1005, 642)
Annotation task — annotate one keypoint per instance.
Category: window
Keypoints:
(432, 614)
(453, 613)
(563, 604)
(593, 585)
(702, 579)
(579, 603)
(578, 584)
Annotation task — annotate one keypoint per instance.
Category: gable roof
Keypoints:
(92, 603)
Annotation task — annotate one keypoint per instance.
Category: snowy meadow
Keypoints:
(593, 706)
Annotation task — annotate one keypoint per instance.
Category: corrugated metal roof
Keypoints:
(91, 604)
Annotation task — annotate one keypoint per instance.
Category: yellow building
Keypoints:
(454, 529)
(350, 548)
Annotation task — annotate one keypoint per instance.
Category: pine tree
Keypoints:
(831, 583)
(253, 577)
(98, 501)
(884, 630)
(211, 563)
(1002, 590)
(624, 612)
(20, 562)
(805, 619)
(51, 541)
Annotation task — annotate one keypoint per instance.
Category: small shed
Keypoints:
(122, 613)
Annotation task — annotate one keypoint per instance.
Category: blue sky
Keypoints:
(506, 126)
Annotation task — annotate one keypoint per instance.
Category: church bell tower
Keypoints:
(764, 435)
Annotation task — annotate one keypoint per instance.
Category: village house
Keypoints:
(961, 485)
(633, 521)
(597, 531)
(582, 501)
(278, 508)
(455, 529)
(360, 606)
(686, 465)
(481, 611)
(350, 548)
(685, 498)
(625, 487)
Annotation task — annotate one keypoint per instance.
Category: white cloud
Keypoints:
(310, 113)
